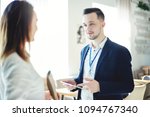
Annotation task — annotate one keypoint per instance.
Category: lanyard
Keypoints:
(91, 61)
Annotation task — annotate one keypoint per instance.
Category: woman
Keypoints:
(19, 80)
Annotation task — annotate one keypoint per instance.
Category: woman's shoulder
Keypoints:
(12, 56)
(12, 60)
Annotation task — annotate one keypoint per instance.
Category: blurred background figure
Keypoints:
(81, 36)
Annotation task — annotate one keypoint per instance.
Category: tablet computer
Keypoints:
(68, 84)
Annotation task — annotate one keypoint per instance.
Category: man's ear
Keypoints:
(103, 24)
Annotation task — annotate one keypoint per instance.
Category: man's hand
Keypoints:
(70, 84)
(91, 85)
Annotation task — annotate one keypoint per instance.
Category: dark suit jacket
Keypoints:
(113, 72)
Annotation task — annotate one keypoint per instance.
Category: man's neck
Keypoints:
(96, 42)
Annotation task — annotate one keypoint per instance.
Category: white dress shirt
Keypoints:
(89, 71)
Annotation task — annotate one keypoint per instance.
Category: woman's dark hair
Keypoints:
(15, 28)
(99, 12)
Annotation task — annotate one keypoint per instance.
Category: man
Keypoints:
(105, 69)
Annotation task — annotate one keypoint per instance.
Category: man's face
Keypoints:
(93, 25)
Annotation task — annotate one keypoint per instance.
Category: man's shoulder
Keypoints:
(86, 47)
(117, 47)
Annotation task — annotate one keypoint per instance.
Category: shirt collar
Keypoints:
(101, 45)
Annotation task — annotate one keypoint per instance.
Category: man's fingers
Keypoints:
(84, 86)
(88, 79)
(81, 85)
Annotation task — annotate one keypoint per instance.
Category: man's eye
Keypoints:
(92, 24)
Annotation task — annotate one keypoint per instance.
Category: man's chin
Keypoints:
(90, 38)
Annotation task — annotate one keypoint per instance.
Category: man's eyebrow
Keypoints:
(89, 22)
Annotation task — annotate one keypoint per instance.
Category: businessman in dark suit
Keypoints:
(105, 69)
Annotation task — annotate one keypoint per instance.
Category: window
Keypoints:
(116, 29)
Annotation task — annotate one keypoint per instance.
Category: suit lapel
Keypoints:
(105, 51)
(84, 55)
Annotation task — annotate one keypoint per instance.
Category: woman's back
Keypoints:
(21, 81)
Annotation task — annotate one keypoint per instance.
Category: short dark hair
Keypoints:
(98, 11)
(15, 27)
